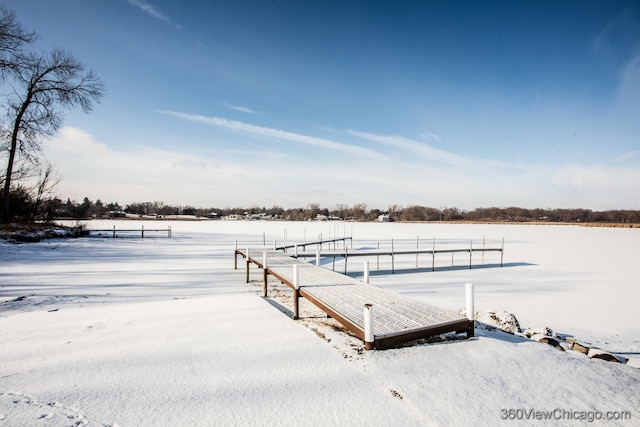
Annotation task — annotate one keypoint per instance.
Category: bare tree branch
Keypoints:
(13, 39)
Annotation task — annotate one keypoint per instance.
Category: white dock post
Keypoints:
(296, 276)
(366, 272)
(274, 244)
(368, 327)
(296, 291)
(346, 256)
(470, 309)
(317, 257)
(285, 241)
(295, 250)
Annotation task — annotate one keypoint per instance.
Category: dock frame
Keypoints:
(398, 319)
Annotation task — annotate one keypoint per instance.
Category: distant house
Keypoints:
(213, 215)
(384, 218)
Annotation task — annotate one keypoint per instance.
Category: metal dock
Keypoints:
(396, 319)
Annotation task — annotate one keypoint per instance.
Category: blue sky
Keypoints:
(262, 103)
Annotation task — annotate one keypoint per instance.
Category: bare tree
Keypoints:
(43, 189)
(44, 83)
(13, 40)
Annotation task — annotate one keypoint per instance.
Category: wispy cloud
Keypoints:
(628, 156)
(241, 108)
(629, 87)
(152, 11)
(427, 136)
(437, 157)
(276, 133)
(423, 150)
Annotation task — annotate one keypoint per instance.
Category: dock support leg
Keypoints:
(248, 262)
(264, 286)
(296, 304)
(393, 264)
(433, 256)
(235, 256)
(265, 272)
(296, 292)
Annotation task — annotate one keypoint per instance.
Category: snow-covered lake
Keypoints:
(163, 331)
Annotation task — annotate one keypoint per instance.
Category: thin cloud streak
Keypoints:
(629, 87)
(422, 150)
(241, 108)
(628, 156)
(428, 136)
(276, 133)
(437, 156)
(149, 10)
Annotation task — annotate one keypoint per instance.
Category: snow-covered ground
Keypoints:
(159, 331)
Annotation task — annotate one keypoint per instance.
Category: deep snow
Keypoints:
(160, 331)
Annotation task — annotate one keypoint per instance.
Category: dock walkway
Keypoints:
(115, 232)
(396, 319)
(346, 253)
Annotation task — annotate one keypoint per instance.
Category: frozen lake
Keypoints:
(576, 280)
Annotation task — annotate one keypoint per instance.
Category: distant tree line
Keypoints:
(55, 208)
